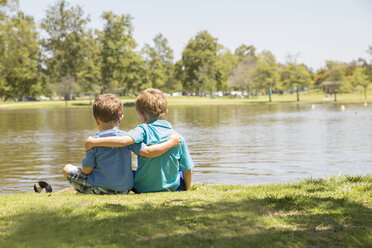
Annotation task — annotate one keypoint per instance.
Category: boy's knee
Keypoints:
(66, 169)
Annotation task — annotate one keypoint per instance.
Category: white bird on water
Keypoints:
(365, 104)
(313, 106)
(342, 108)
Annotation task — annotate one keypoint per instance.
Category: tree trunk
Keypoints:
(269, 95)
(365, 92)
(67, 96)
(335, 96)
(298, 93)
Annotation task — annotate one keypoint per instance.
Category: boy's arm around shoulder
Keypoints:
(160, 149)
(114, 141)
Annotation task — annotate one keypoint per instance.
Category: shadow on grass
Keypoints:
(289, 221)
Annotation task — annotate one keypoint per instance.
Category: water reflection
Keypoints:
(229, 144)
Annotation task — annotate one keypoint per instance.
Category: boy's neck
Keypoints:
(150, 121)
(103, 126)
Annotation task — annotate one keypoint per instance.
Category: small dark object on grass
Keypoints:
(39, 186)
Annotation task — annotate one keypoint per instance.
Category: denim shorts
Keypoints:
(80, 183)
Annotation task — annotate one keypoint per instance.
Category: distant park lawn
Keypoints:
(305, 97)
(336, 212)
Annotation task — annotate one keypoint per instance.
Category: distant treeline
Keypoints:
(63, 57)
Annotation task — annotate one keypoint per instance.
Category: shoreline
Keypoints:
(198, 101)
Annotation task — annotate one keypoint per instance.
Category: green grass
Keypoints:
(305, 97)
(336, 212)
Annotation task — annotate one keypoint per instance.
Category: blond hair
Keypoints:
(107, 108)
(153, 104)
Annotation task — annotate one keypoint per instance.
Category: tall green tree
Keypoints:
(198, 64)
(90, 74)
(319, 77)
(159, 61)
(241, 77)
(296, 77)
(4, 18)
(7, 6)
(65, 45)
(243, 52)
(334, 78)
(121, 65)
(368, 66)
(360, 79)
(266, 75)
(336, 70)
(226, 62)
(19, 55)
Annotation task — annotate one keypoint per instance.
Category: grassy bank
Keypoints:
(314, 97)
(336, 212)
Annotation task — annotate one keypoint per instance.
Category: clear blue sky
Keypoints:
(339, 30)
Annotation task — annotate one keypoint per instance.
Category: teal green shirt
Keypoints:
(160, 173)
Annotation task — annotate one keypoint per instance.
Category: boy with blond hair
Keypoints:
(159, 173)
(108, 170)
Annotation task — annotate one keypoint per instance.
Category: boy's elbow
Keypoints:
(146, 153)
(86, 170)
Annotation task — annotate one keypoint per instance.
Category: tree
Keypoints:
(361, 79)
(241, 76)
(65, 45)
(245, 51)
(206, 78)
(336, 72)
(265, 75)
(90, 74)
(198, 63)
(368, 66)
(226, 62)
(159, 61)
(7, 6)
(19, 56)
(319, 77)
(120, 63)
(296, 77)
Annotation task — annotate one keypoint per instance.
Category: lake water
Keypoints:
(229, 144)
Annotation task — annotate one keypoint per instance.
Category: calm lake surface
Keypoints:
(229, 144)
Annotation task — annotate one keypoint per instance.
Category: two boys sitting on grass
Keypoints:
(106, 168)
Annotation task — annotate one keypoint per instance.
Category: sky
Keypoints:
(312, 31)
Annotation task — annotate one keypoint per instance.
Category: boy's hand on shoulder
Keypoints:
(175, 140)
(88, 143)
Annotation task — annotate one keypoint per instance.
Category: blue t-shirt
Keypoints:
(112, 165)
(160, 173)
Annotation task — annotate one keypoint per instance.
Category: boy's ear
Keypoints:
(121, 118)
(142, 117)
(97, 120)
